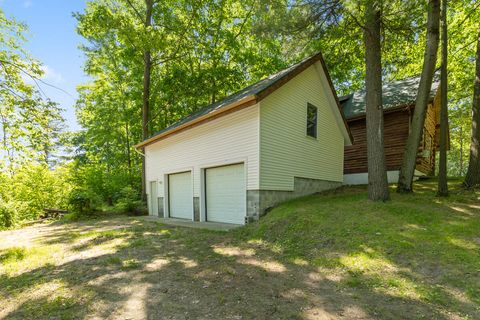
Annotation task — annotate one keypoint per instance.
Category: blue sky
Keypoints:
(53, 41)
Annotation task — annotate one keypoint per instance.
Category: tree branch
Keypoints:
(35, 79)
(137, 13)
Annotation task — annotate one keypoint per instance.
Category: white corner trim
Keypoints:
(362, 178)
(333, 103)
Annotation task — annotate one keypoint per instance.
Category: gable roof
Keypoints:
(246, 97)
(396, 93)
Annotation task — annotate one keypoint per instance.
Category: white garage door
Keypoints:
(180, 195)
(226, 194)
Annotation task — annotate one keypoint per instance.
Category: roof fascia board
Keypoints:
(244, 102)
(334, 103)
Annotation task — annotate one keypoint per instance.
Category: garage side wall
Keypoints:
(229, 139)
(293, 164)
(286, 152)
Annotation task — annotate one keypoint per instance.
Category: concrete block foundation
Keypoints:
(196, 209)
(259, 201)
(161, 210)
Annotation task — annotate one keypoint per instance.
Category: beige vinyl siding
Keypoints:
(229, 139)
(285, 149)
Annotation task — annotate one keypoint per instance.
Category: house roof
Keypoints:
(396, 93)
(246, 97)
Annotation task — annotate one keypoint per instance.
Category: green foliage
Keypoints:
(213, 48)
(201, 51)
(37, 187)
(128, 201)
(31, 189)
(336, 29)
(96, 185)
(30, 127)
(102, 180)
(30, 124)
(83, 201)
(8, 214)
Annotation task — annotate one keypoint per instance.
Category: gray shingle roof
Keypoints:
(253, 93)
(395, 93)
(251, 90)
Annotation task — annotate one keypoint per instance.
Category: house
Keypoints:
(280, 138)
(398, 103)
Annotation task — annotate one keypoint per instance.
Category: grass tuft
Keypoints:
(130, 264)
(13, 254)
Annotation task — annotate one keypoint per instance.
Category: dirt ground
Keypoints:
(131, 268)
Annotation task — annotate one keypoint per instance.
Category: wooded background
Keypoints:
(153, 62)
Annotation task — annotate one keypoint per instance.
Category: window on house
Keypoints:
(311, 120)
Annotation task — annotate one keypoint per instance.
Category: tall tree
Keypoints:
(29, 123)
(147, 72)
(128, 38)
(407, 170)
(377, 168)
(313, 25)
(195, 58)
(472, 178)
(442, 167)
(45, 126)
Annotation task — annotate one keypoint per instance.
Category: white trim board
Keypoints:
(362, 178)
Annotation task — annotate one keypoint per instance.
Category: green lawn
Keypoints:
(329, 256)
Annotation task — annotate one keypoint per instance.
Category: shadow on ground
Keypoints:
(131, 268)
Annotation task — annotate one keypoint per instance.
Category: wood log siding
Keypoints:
(426, 161)
(396, 128)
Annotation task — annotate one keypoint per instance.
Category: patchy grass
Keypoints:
(329, 256)
(13, 254)
(130, 264)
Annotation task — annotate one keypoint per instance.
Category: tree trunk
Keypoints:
(129, 153)
(472, 178)
(461, 150)
(147, 58)
(442, 190)
(407, 169)
(6, 148)
(377, 169)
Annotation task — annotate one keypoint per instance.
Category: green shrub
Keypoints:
(128, 201)
(83, 201)
(33, 188)
(109, 185)
(8, 214)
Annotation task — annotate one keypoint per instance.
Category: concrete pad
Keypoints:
(216, 226)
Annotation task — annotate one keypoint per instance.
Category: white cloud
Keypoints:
(51, 75)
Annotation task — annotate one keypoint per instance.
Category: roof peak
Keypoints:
(250, 94)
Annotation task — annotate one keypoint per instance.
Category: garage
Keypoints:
(225, 194)
(180, 195)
